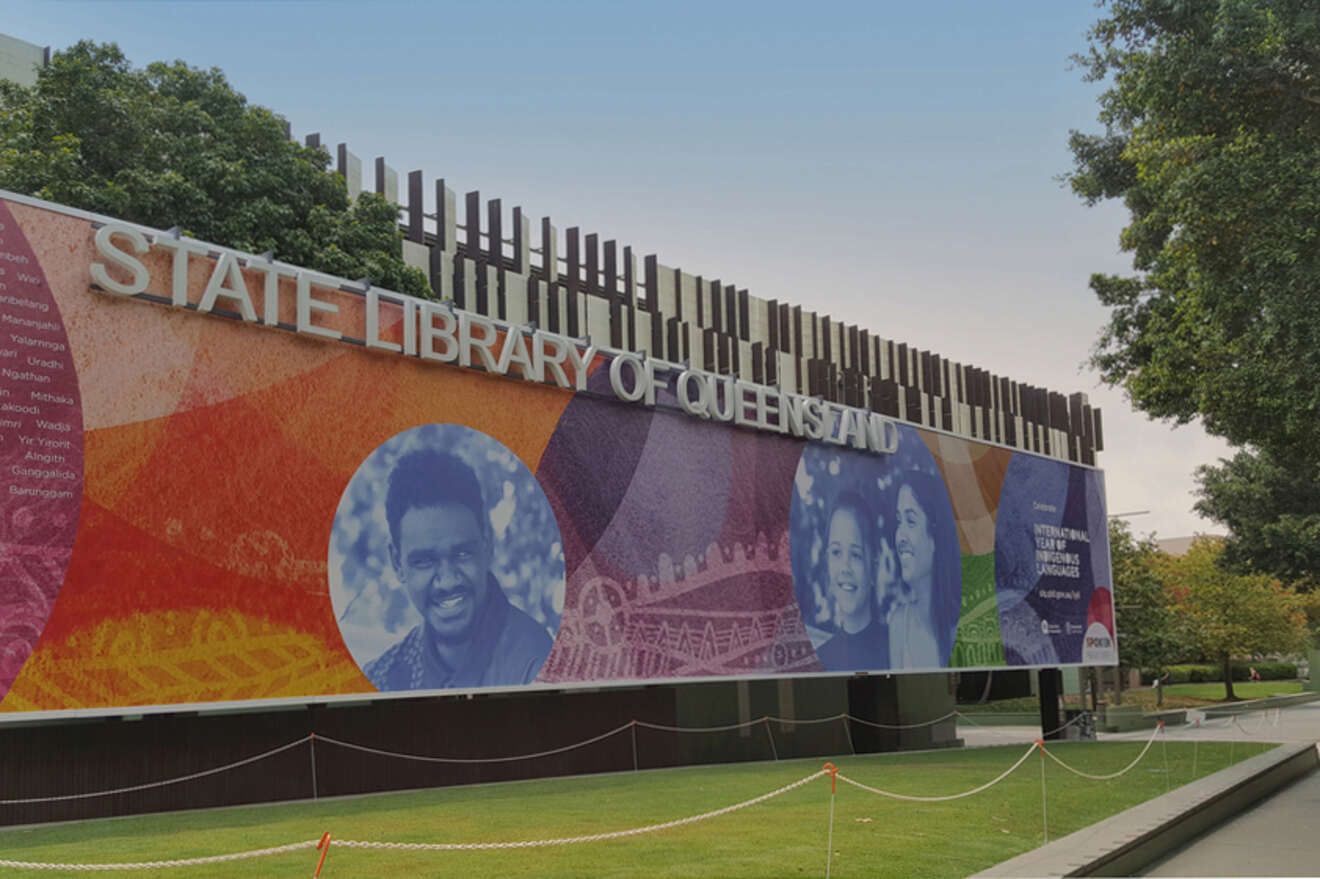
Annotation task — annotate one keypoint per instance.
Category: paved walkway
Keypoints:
(1299, 724)
(1276, 837)
(1279, 836)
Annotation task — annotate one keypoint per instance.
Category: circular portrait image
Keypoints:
(446, 566)
(877, 569)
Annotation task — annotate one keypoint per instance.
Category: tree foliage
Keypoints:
(1212, 141)
(174, 145)
(1223, 615)
(1148, 630)
(1272, 511)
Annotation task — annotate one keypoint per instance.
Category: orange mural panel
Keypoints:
(215, 458)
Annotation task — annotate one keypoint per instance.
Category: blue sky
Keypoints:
(893, 165)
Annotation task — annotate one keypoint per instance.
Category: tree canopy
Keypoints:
(1272, 511)
(1148, 631)
(174, 145)
(1223, 615)
(1212, 141)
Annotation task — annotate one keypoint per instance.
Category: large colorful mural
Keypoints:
(209, 500)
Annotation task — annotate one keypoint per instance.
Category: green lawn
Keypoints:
(1175, 696)
(784, 837)
(1214, 692)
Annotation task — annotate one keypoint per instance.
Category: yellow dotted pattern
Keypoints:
(179, 657)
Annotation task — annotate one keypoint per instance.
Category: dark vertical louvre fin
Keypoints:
(716, 307)
(593, 264)
(651, 274)
(616, 323)
(494, 232)
(573, 263)
(611, 257)
(674, 347)
(472, 213)
(416, 217)
(519, 245)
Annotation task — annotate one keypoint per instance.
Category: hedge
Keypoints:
(1211, 673)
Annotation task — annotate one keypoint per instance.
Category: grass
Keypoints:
(1175, 696)
(784, 837)
(1021, 705)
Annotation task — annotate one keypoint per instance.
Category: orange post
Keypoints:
(324, 848)
(834, 775)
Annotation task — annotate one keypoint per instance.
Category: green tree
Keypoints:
(174, 145)
(1225, 614)
(1272, 511)
(1212, 141)
(1148, 630)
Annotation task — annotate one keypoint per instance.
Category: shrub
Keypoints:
(1204, 673)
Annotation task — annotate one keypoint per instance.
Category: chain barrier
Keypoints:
(1044, 803)
(815, 721)
(728, 727)
(915, 799)
(572, 840)
(872, 723)
(1262, 721)
(422, 758)
(991, 729)
(161, 865)
(1269, 716)
(631, 725)
(1058, 729)
(833, 772)
(154, 784)
(791, 721)
(323, 845)
(1159, 729)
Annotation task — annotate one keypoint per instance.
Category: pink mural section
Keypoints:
(41, 450)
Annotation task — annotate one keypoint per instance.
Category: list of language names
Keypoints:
(39, 408)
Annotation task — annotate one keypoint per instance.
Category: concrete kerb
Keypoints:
(1127, 718)
(1281, 701)
(1129, 841)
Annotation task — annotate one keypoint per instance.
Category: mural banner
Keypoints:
(229, 479)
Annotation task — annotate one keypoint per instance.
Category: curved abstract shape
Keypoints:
(41, 451)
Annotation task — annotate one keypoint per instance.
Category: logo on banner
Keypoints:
(1098, 646)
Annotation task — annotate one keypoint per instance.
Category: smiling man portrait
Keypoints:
(441, 550)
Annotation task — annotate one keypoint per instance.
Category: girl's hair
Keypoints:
(946, 567)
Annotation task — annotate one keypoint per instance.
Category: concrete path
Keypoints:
(1296, 725)
(1279, 836)
(1129, 842)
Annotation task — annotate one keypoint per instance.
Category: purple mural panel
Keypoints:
(676, 547)
(41, 450)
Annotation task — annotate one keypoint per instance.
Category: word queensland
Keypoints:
(436, 331)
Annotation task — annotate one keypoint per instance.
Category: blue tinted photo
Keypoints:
(876, 562)
(446, 564)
